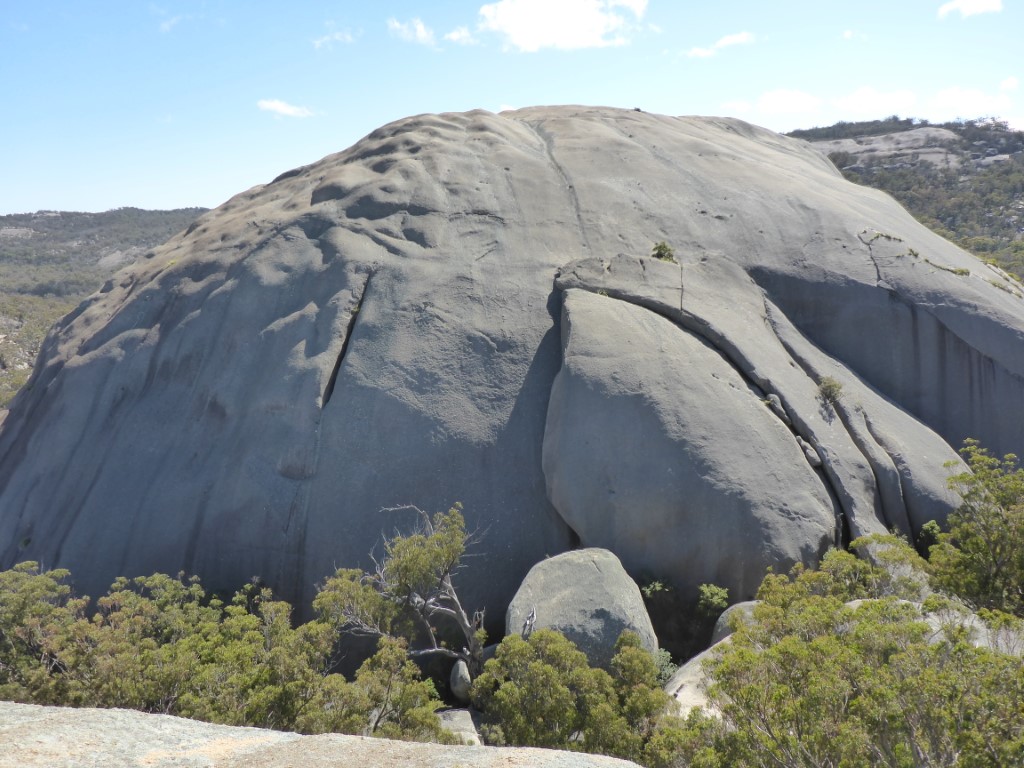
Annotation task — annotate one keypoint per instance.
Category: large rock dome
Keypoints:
(464, 307)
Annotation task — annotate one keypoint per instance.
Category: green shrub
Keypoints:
(541, 692)
(981, 558)
(162, 644)
(830, 390)
(663, 252)
(713, 600)
(813, 680)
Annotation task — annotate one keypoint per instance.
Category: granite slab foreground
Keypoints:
(57, 737)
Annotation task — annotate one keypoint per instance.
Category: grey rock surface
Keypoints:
(56, 737)
(737, 612)
(459, 681)
(688, 685)
(658, 448)
(460, 722)
(385, 327)
(586, 595)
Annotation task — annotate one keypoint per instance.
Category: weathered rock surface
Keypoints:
(688, 685)
(460, 681)
(929, 143)
(742, 612)
(658, 448)
(586, 595)
(460, 722)
(55, 737)
(385, 327)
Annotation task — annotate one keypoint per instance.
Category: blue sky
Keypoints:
(167, 104)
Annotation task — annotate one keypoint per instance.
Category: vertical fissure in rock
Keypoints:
(545, 138)
(349, 331)
(905, 523)
(871, 254)
(844, 526)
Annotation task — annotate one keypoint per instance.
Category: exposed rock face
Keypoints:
(688, 685)
(588, 597)
(388, 325)
(643, 416)
(930, 143)
(459, 681)
(460, 722)
(743, 612)
(52, 737)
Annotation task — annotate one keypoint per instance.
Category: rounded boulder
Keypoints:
(586, 595)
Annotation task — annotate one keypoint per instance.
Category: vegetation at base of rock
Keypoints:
(540, 692)
(981, 557)
(713, 600)
(162, 644)
(855, 663)
(859, 663)
(410, 592)
(813, 679)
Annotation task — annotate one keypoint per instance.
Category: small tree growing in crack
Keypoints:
(410, 593)
(830, 391)
(663, 252)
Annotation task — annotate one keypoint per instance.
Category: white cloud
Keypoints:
(1009, 84)
(968, 103)
(328, 40)
(869, 103)
(413, 31)
(168, 24)
(787, 102)
(461, 35)
(529, 25)
(638, 7)
(279, 107)
(970, 7)
(848, 34)
(740, 38)
(737, 107)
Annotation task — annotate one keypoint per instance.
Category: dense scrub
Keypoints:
(861, 663)
(815, 679)
(162, 644)
(885, 660)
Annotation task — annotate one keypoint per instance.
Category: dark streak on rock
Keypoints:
(349, 330)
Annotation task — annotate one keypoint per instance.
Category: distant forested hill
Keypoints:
(963, 179)
(51, 260)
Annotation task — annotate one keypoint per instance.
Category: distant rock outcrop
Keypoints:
(464, 307)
